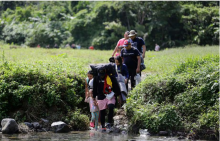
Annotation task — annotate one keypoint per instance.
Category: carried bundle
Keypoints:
(109, 68)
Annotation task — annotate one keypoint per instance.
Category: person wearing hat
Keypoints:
(131, 58)
(138, 43)
(105, 87)
(121, 42)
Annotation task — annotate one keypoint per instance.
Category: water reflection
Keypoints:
(82, 136)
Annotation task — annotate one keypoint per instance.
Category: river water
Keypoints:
(83, 136)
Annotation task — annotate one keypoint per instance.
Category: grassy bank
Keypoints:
(184, 99)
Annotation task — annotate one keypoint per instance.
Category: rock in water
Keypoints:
(60, 127)
(23, 128)
(144, 132)
(36, 125)
(9, 126)
(163, 133)
(45, 120)
(30, 126)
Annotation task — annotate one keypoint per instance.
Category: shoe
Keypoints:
(92, 124)
(108, 126)
(103, 129)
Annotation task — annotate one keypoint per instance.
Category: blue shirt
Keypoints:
(138, 42)
(130, 57)
(123, 70)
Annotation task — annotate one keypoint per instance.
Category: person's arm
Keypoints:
(139, 63)
(95, 88)
(122, 56)
(86, 88)
(116, 48)
(114, 51)
(115, 86)
(143, 46)
(126, 71)
(144, 50)
(87, 99)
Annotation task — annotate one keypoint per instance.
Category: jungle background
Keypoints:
(102, 24)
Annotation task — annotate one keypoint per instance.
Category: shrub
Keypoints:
(77, 120)
(36, 92)
(176, 100)
(155, 117)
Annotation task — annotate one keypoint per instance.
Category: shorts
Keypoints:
(103, 104)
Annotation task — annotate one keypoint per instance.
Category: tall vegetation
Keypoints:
(102, 24)
(185, 99)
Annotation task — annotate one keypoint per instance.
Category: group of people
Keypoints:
(73, 46)
(132, 50)
(102, 92)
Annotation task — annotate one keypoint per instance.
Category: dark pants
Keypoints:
(110, 115)
(132, 73)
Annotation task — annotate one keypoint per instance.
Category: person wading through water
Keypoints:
(105, 87)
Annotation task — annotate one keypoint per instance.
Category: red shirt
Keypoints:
(121, 42)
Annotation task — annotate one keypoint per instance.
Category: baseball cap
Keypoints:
(126, 43)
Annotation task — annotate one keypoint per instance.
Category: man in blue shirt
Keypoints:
(131, 58)
(138, 43)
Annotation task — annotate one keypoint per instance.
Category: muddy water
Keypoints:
(83, 136)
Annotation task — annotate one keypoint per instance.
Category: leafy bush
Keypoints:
(77, 120)
(210, 119)
(156, 117)
(32, 91)
(178, 98)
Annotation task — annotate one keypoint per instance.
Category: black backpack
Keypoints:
(109, 67)
(111, 71)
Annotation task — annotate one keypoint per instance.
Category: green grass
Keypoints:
(167, 60)
(77, 61)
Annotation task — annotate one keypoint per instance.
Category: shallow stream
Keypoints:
(84, 136)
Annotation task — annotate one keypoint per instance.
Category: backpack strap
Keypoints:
(95, 86)
(87, 80)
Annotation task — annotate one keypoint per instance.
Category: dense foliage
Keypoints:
(185, 99)
(28, 94)
(102, 24)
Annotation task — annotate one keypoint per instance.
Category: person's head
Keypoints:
(132, 34)
(90, 74)
(126, 35)
(118, 60)
(90, 92)
(127, 44)
(101, 72)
